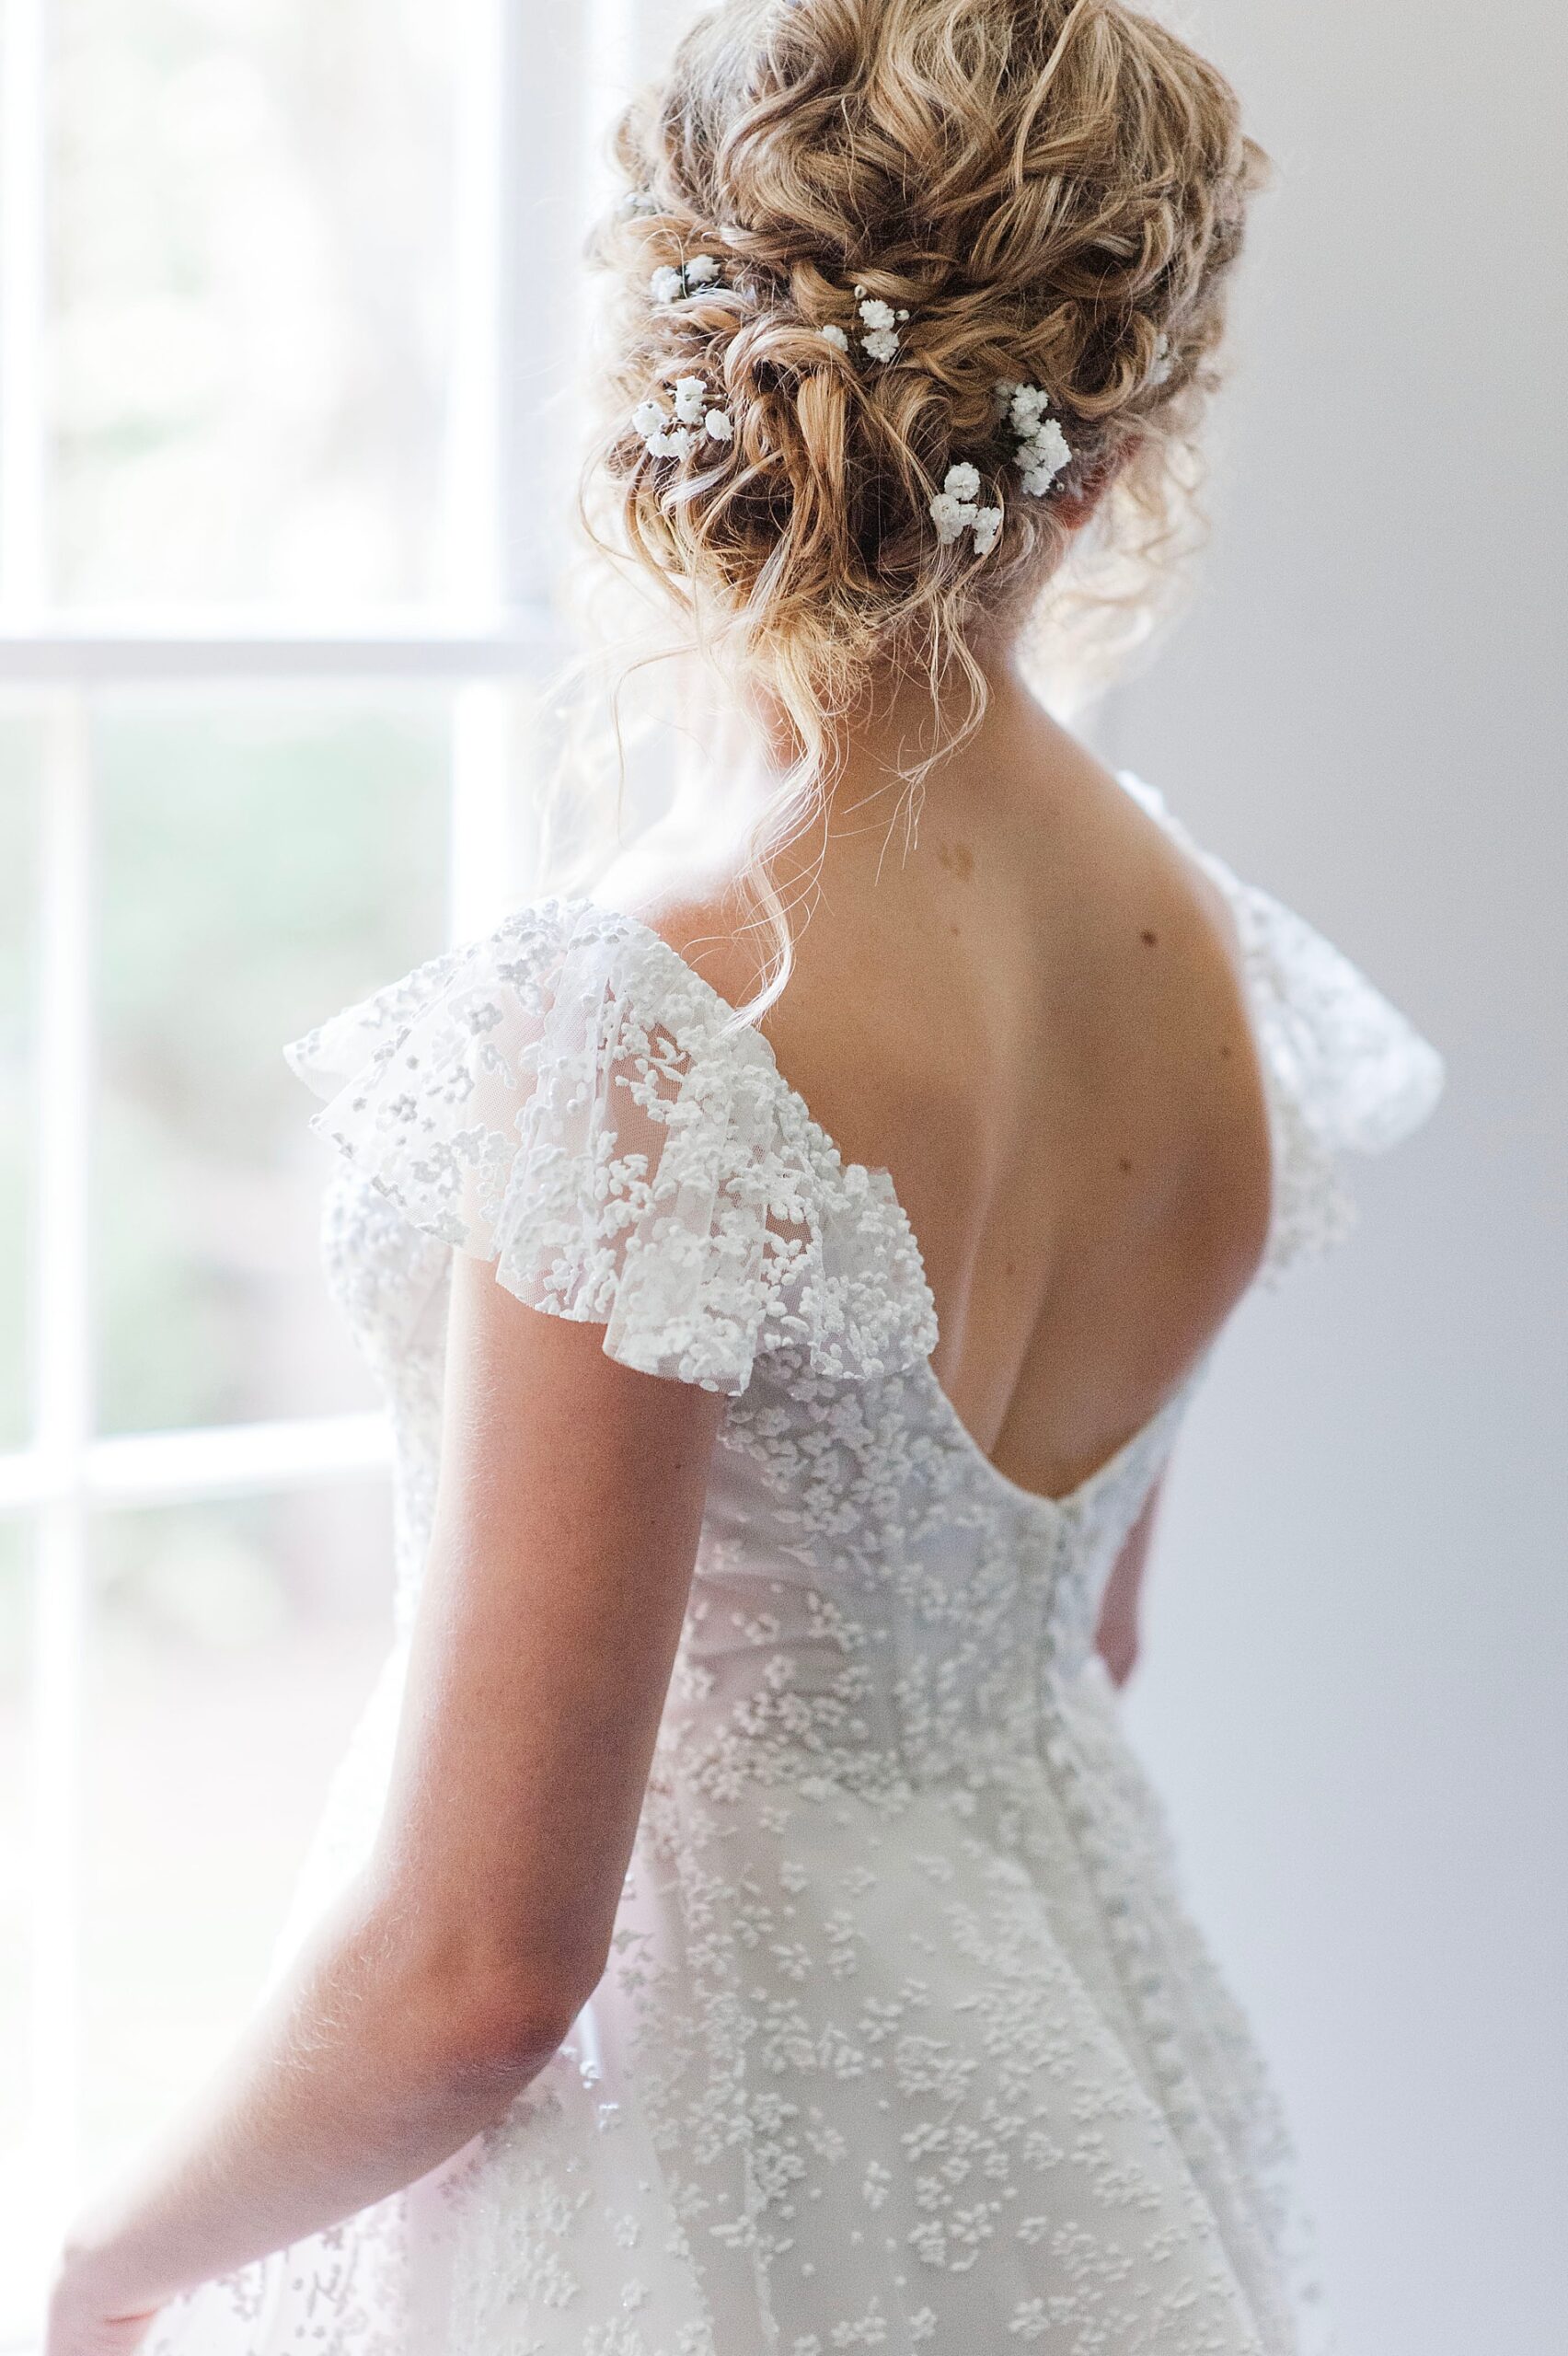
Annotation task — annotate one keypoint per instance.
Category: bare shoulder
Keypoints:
(709, 930)
(1130, 846)
(839, 1030)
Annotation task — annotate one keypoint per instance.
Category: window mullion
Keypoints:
(535, 277)
(519, 219)
(64, 1395)
(24, 439)
(472, 561)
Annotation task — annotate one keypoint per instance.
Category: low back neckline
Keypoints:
(1072, 1502)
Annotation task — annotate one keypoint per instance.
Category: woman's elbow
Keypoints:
(505, 2027)
(476, 2012)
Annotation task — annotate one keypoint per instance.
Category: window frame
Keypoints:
(526, 171)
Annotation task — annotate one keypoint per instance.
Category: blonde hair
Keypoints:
(1053, 189)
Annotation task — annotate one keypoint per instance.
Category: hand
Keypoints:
(1117, 1636)
(1118, 1645)
(82, 2323)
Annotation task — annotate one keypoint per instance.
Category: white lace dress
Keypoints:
(907, 2043)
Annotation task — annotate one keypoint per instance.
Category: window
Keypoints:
(289, 299)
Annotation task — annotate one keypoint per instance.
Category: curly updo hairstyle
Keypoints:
(1052, 190)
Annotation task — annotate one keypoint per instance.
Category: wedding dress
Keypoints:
(907, 2043)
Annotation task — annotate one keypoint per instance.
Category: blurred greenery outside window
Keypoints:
(244, 348)
(251, 294)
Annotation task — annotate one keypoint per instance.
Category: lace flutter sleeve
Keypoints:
(568, 1098)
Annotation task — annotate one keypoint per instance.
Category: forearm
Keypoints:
(554, 1593)
(358, 2075)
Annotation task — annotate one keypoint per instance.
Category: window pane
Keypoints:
(258, 868)
(252, 254)
(231, 1646)
(15, 1620)
(21, 763)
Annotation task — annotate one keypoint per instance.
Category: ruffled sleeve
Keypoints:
(568, 1098)
(1346, 1072)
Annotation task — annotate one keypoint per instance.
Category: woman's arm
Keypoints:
(1116, 1637)
(566, 1527)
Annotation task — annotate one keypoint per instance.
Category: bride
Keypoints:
(739, 1923)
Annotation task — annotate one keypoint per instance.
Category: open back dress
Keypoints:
(907, 2043)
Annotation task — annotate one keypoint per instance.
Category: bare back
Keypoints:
(1034, 1018)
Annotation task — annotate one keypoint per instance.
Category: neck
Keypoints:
(901, 728)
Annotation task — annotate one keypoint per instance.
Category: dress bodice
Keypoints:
(874, 1604)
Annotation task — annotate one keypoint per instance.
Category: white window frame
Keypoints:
(526, 167)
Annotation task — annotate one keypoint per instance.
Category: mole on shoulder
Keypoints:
(1122, 1163)
(958, 858)
(1147, 938)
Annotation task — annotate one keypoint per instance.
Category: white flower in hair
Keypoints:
(954, 510)
(691, 398)
(987, 529)
(1043, 447)
(678, 437)
(950, 516)
(837, 337)
(661, 438)
(1043, 456)
(671, 280)
(880, 322)
(1164, 361)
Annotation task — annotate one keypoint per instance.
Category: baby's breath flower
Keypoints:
(949, 515)
(987, 529)
(880, 321)
(1043, 456)
(1043, 447)
(691, 395)
(678, 437)
(954, 510)
(671, 280)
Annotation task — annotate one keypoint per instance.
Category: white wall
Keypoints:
(1356, 1692)
(1356, 1689)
